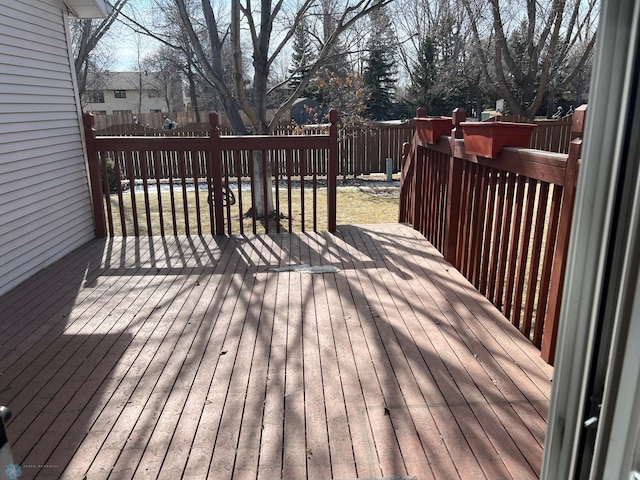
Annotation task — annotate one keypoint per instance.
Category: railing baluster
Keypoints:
(525, 242)
(174, 220)
(227, 194)
(314, 181)
(543, 198)
(496, 230)
(504, 240)
(266, 187)
(488, 233)
(302, 172)
(254, 219)
(182, 171)
(157, 167)
(118, 170)
(276, 176)
(238, 162)
(210, 198)
(430, 181)
(514, 242)
(142, 162)
(106, 187)
(547, 264)
(464, 237)
(196, 190)
(479, 202)
(289, 188)
(132, 191)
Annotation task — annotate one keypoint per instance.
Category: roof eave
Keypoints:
(88, 8)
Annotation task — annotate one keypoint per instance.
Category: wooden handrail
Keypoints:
(504, 222)
(158, 162)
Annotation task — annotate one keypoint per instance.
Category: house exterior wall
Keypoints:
(138, 92)
(130, 104)
(45, 207)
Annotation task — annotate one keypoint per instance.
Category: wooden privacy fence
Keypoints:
(171, 185)
(503, 223)
(362, 150)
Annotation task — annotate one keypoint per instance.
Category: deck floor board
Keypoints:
(195, 357)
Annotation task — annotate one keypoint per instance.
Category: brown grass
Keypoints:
(354, 206)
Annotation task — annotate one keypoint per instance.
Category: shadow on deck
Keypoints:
(191, 357)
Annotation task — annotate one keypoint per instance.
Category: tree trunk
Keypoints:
(261, 208)
(193, 95)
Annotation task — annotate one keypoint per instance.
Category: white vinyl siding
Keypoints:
(45, 208)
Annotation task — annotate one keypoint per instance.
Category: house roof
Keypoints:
(88, 8)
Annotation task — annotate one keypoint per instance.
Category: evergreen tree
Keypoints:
(442, 76)
(378, 76)
(303, 55)
(423, 75)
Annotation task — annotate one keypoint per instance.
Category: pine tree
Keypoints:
(378, 76)
(303, 55)
(423, 75)
(440, 78)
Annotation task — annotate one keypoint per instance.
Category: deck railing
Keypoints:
(151, 185)
(362, 149)
(503, 223)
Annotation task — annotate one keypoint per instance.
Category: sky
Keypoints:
(127, 46)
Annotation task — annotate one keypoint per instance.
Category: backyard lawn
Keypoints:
(356, 205)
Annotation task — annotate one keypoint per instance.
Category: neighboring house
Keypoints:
(132, 92)
(45, 207)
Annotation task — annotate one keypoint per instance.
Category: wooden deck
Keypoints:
(192, 358)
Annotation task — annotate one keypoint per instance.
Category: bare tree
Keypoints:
(218, 40)
(524, 46)
(86, 35)
(434, 53)
(250, 26)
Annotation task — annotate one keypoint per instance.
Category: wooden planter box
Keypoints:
(488, 138)
(430, 129)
